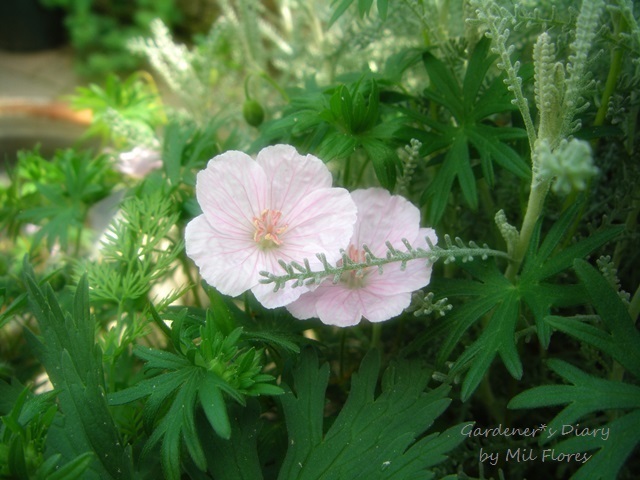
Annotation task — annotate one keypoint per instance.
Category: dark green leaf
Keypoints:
(383, 7)
(74, 365)
(588, 395)
(614, 315)
(237, 458)
(476, 71)
(486, 141)
(607, 462)
(353, 446)
(364, 6)
(383, 162)
(498, 337)
(444, 86)
(74, 469)
(214, 406)
(342, 7)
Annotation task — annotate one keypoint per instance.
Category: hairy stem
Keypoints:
(612, 80)
(534, 210)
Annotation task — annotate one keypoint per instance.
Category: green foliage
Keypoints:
(126, 112)
(468, 130)
(23, 434)
(74, 366)
(99, 31)
(197, 374)
(498, 303)
(137, 250)
(55, 195)
(236, 458)
(373, 435)
(364, 6)
(339, 123)
(587, 394)
(187, 147)
(157, 375)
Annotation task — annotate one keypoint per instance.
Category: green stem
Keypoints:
(187, 271)
(375, 335)
(534, 210)
(630, 225)
(347, 168)
(491, 403)
(612, 79)
(275, 85)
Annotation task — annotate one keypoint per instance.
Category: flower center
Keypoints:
(354, 278)
(268, 230)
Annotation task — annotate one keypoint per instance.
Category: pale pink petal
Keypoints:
(337, 306)
(231, 191)
(322, 222)
(378, 308)
(374, 296)
(383, 217)
(393, 280)
(228, 266)
(278, 207)
(291, 176)
(139, 162)
(416, 274)
(305, 306)
(264, 292)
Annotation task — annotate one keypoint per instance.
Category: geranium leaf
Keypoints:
(373, 433)
(444, 85)
(74, 365)
(214, 406)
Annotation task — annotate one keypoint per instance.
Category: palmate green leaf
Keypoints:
(622, 341)
(541, 263)
(177, 426)
(493, 298)
(488, 141)
(485, 295)
(469, 104)
(372, 434)
(498, 337)
(339, 121)
(63, 192)
(211, 362)
(214, 406)
(499, 302)
(382, 158)
(73, 363)
(444, 87)
(586, 395)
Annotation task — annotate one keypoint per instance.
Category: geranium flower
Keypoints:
(139, 162)
(369, 294)
(280, 206)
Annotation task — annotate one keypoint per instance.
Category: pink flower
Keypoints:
(377, 297)
(279, 206)
(139, 162)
